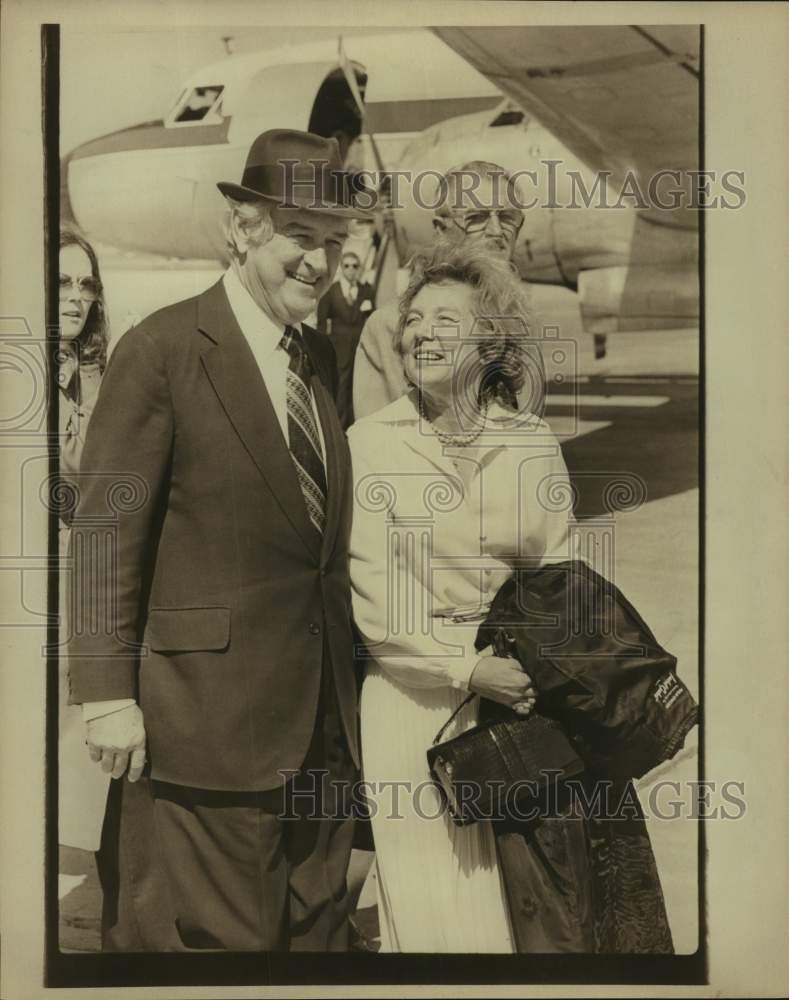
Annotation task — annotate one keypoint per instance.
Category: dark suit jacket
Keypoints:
(347, 322)
(217, 569)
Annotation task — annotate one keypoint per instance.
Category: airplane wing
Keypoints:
(622, 98)
(619, 96)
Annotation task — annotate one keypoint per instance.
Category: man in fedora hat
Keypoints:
(215, 661)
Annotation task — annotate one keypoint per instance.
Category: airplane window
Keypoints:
(508, 117)
(200, 104)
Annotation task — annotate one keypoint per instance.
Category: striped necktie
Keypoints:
(303, 438)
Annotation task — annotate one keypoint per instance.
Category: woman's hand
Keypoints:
(503, 679)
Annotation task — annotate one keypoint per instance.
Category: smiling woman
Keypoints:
(449, 515)
(451, 479)
(464, 337)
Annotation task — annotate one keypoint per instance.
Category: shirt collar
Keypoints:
(345, 285)
(504, 429)
(256, 325)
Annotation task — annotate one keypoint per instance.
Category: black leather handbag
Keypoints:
(502, 769)
(610, 701)
(506, 766)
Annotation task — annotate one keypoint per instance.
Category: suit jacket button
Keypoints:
(315, 628)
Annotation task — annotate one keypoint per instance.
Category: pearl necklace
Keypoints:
(453, 440)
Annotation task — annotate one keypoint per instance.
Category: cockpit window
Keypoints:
(200, 104)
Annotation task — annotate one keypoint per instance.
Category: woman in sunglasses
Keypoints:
(82, 354)
(82, 357)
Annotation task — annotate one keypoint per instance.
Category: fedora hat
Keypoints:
(296, 170)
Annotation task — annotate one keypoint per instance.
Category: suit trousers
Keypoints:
(187, 869)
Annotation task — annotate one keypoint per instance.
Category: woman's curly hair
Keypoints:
(502, 309)
(95, 336)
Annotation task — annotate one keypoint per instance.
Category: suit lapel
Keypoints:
(236, 379)
(356, 304)
(361, 296)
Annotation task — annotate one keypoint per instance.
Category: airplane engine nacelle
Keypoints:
(647, 297)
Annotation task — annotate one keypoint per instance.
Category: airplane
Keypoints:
(617, 99)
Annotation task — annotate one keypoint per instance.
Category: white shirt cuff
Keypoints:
(460, 669)
(96, 709)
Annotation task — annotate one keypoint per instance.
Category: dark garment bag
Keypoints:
(583, 878)
(598, 668)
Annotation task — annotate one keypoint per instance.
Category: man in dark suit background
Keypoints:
(213, 530)
(342, 313)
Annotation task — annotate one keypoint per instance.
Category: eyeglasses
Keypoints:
(88, 287)
(510, 219)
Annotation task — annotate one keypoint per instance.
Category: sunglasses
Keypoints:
(88, 287)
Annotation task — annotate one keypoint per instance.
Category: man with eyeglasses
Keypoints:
(477, 207)
(341, 315)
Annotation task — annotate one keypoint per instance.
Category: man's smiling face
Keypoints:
(289, 273)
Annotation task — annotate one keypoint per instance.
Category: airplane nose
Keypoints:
(152, 189)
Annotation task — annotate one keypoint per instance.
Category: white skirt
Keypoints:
(438, 884)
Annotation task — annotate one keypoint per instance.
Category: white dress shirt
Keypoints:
(264, 336)
(350, 291)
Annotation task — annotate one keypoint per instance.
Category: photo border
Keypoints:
(263, 969)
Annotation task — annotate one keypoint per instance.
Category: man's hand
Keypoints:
(115, 738)
(503, 679)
